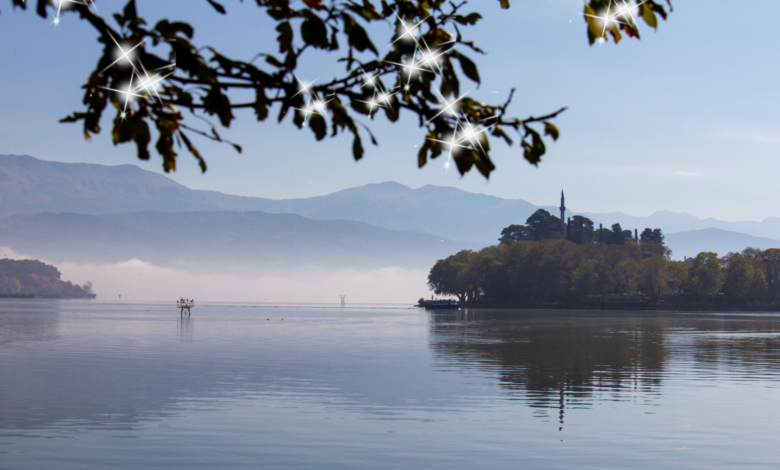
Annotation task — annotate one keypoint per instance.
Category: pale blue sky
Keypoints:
(685, 119)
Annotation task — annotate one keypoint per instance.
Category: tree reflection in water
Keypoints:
(553, 359)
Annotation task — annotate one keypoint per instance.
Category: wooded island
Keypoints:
(547, 263)
(33, 278)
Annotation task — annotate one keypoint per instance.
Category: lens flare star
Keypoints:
(314, 104)
(467, 136)
(423, 58)
(65, 4)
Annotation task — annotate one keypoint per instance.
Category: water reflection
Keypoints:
(185, 328)
(563, 359)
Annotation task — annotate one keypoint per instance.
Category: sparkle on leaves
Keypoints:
(618, 12)
(142, 85)
(467, 135)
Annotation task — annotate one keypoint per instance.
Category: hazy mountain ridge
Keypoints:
(31, 186)
(671, 222)
(218, 239)
(693, 242)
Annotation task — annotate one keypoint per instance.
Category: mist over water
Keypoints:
(94, 384)
(135, 279)
(138, 280)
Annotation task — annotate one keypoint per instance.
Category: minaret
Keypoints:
(563, 210)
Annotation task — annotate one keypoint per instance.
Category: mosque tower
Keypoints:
(563, 210)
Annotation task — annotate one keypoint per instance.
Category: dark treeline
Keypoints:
(35, 277)
(535, 264)
(542, 225)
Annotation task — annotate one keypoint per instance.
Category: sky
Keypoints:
(683, 120)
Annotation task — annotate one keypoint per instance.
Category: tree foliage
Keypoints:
(201, 82)
(580, 230)
(562, 271)
(541, 225)
(33, 276)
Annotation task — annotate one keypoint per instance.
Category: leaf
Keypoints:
(193, 151)
(534, 150)
(285, 37)
(594, 30)
(504, 4)
(357, 148)
(422, 155)
(468, 67)
(357, 36)
(483, 163)
(551, 130)
(142, 138)
(470, 19)
(500, 133)
(315, 4)
(318, 126)
(649, 16)
(130, 13)
(216, 102)
(261, 104)
(314, 32)
(220, 9)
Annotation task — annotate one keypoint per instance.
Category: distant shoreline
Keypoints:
(46, 296)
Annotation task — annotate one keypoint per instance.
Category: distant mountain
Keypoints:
(680, 221)
(443, 211)
(31, 186)
(712, 239)
(219, 239)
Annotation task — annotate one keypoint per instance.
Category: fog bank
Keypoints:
(139, 280)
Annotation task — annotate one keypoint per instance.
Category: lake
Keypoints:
(95, 385)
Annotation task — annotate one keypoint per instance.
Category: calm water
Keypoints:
(104, 385)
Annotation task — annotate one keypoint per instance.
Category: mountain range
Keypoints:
(84, 199)
(228, 240)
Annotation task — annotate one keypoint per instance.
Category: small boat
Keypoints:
(446, 304)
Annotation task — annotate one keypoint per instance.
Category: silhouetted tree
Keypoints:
(581, 230)
(542, 225)
(652, 243)
(515, 233)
